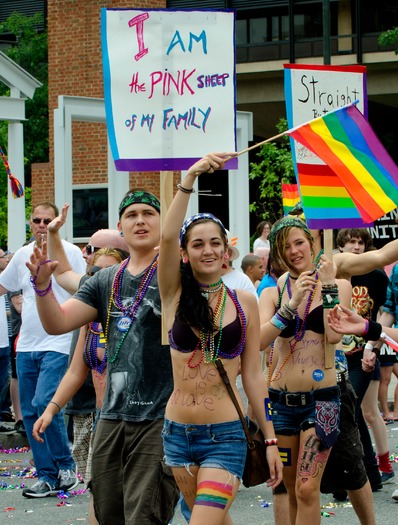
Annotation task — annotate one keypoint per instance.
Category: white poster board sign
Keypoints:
(169, 81)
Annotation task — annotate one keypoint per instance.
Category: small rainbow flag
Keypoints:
(290, 197)
(345, 141)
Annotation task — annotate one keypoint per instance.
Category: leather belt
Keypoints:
(298, 399)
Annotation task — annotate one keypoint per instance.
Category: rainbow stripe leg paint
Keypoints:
(213, 494)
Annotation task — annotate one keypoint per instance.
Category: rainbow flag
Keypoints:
(290, 197)
(345, 141)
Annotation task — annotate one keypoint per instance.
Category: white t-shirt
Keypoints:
(32, 336)
(260, 243)
(4, 342)
(239, 280)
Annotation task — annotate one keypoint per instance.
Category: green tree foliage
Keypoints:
(275, 166)
(389, 38)
(29, 52)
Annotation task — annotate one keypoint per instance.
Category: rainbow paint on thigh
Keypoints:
(213, 494)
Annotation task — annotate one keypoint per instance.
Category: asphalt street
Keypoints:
(252, 506)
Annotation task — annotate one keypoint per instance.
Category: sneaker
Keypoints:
(387, 477)
(7, 416)
(6, 430)
(67, 480)
(394, 495)
(20, 427)
(41, 489)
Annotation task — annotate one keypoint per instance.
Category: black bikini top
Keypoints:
(314, 323)
(183, 339)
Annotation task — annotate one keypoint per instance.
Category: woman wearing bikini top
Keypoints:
(304, 395)
(203, 437)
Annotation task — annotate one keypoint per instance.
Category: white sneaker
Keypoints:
(394, 495)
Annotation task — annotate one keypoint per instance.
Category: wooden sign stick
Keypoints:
(166, 197)
(328, 249)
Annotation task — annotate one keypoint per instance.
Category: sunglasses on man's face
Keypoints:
(91, 249)
(36, 220)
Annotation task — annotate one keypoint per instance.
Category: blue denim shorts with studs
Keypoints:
(219, 445)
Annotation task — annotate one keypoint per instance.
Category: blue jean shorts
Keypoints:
(220, 445)
(290, 419)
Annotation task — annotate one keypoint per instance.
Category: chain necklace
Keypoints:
(209, 351)
(299, 328)
(90, 348)
(129, 312)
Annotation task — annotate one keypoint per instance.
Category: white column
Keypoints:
(16, 207)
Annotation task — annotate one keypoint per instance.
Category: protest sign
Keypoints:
(169, 80)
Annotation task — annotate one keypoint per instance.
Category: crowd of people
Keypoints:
(126, 336)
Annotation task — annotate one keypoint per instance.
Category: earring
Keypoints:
(185, 260)
(121, 234)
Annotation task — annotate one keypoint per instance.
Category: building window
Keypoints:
(90, 210)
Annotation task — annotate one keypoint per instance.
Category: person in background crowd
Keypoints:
(263, 230)
(253, 267)
(42, 360)
(388, 361)
(369, 295)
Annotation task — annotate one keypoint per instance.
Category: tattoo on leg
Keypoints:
(311, 460)
(213, 494)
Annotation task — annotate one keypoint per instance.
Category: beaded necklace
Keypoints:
(299, 328)
(90, 348)
(209, 351)
(129, 312)
(206, 289)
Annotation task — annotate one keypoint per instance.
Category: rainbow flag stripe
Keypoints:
(290, 197)
(326, 202)
(213, 494)
(345, 141)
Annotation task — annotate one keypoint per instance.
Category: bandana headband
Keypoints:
(287, 222)
(139, 197)
(198, 217)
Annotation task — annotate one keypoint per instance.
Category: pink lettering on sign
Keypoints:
(138, 23)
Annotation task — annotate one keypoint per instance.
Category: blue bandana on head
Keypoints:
(198, 217)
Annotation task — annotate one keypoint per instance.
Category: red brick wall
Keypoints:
(75, 69)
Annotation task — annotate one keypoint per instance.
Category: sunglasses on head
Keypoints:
(36, 220)
(91, 249)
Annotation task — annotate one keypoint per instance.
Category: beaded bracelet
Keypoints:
(185, 190)
(287, 313)
(330, 287)
(373, 331)
(271, 442)
(55, 403)
(41, 293)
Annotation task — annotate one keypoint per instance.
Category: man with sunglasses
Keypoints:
(42, 361)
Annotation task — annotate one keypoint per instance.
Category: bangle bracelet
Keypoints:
(271, 442)
(185, 190)
(55, 403)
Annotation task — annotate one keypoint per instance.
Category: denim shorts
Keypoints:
(290, 420)
(219, 445)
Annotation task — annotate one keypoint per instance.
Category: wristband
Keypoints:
(271, 442)
(278, 323)
(373, 331)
